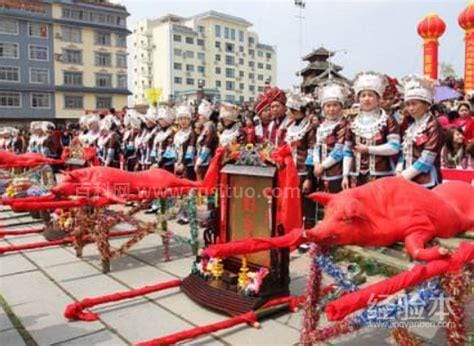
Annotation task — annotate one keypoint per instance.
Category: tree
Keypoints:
(447, 71)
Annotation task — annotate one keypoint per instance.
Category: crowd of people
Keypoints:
(339, 137)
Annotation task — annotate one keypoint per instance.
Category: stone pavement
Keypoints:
(36, 286)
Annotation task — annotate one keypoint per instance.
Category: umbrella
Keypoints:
(443, 93)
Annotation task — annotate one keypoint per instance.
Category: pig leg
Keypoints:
(415, 244)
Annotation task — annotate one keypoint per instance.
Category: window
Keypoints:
(38, 30)
(189, 40)
(39, 75)
(177, 38)
(189, 81)
(251, 63)
(241, 36)
(251, 76)
(201, 56)
(200, 42)
(241, 61)
(121, 41)
(70, 34)
(241, 74)
(251, 40)
(269, 55)
(252, 88)
(200, 69)
(72, 56)
(229, 72)
(38, 52)
(190, 68)
(252, 53)
(226, 32)
(72, 78)
(241, 86)
(178, 52)
(218, 44)
(122, 81)
(229, 85)
(229, 60)
(121, 61)
(9, 74)
(73, 102)
(218, 57)
(9, 50)
(190, 54)
(241, 49)
(103, 59)
(178, 66)
(103, 80)
(178, 80)
(218, 84)
(200, 29)
(232, 34)
(10, 99)
(218, 70)
(229, 47)
(260, 77)
(260, 65)
(229, 98)
(102, 38)
(268, 66)
(8, 26)
(103, 102)
(40, 100)
(260, 53)
(217, 30)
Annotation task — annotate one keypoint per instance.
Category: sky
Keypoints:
(377, 35)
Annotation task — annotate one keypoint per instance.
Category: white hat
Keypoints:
(418, 88)
(151, 114)
(370, 81)
(333, 92)
(47, 125)
(228, 111)
(35, 125)
(205, 108)
(12, 131)
(108, 121)
(184, 111)
(296, 100)
(166, 113)
(91, 119)
(132, 119)
(83, 119)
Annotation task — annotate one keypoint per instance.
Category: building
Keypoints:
(319, 70)
(211, 54)
(59, 57)
(26, 61)
(90, 56)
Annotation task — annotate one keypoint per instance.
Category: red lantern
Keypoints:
(466, 21)
(431, 28)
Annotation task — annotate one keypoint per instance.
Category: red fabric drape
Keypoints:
(351, 302)
(251, 245)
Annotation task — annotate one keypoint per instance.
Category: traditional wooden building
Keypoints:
(319, 70)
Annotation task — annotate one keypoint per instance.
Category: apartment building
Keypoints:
(210, 53)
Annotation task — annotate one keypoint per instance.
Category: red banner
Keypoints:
(466, 175)
(430, 58)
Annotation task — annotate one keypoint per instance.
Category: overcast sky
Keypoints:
(378, 35)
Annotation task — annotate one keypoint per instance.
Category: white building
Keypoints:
(212, 52)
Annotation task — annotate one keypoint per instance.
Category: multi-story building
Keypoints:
(26, 61)
(90, 56)
(212, 53)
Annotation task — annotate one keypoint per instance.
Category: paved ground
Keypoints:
(36, 285)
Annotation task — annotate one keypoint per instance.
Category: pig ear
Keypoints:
(321, 197)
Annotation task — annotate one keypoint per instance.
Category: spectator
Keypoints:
(454, 154)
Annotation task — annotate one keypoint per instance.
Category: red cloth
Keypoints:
(275, 94)
(351, 302)
(3, 233)
(466, 175)
(75, 311)
(262, 102)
